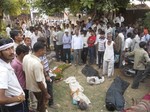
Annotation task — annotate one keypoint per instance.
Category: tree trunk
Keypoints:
(1, 19)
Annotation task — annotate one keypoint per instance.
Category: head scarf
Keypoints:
(6, 46)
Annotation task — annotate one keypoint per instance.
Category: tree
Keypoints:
(146, 21)
(53, 6)
(12, 7)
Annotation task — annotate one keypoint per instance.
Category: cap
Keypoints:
(89, 17)
(66, 30)
(28, 34)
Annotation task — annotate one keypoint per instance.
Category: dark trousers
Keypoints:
(54, 42)
(50, 91)
(100, 58)
(26, 100)
(91, 53)
(59, 52)
(16, 108)
(41, 102)
(84, 54)
(146, 72)
(48, 42)
(137, 79)
(66, 53)
(95, 54)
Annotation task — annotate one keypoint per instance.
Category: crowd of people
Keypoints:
(24, 66)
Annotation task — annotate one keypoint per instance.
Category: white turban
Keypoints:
(6, 46)
(28, 34)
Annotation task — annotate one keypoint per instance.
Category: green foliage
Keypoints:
(147, 20)
(11, 7)
(87, 3)
(51, 7)
(14, 7)
(3, 26)
(75, 6)
(55, 6)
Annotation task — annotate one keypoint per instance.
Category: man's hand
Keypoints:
(48, 78)
(47, 96)
(21, 98)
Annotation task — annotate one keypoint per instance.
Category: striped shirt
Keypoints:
(45, 63)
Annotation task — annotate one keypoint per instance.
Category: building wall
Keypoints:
(132, 15)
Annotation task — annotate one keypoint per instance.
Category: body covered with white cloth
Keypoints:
(77, 90)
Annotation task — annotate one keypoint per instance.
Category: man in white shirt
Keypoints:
(77, 46)
(34, 37)
(8, 29)
(11, 93)
(59, 44)
(24, 26)
(129, 42)
(119, 19)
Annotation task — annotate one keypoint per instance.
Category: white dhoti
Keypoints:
(108, 67)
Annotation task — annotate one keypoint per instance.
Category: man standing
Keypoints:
(108, 62)
(35, 80)
(16, 35)
(91, 40)
(66, 46)
(59, 44)
(11, 93)
(77, 46)
(16, 64)
(118, 48)
(8, 29)
(140, 57)
(49, 80)
(119, 19)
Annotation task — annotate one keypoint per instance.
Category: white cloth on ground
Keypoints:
(77, 90)
(95, 80)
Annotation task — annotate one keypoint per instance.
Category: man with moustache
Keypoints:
(11, 94)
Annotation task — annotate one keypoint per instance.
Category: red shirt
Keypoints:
(91, 41)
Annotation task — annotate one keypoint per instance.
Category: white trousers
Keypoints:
(108, 67)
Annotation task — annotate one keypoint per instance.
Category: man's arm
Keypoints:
(8, 100)
(146, 57)
(38, 75)
(130, 53)
(43, 90)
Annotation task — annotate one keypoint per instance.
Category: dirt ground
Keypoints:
(95, 93)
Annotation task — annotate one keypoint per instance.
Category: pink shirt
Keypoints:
(17, 66)
(146, 97)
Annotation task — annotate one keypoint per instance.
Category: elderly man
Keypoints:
(108, 62)
(11, 93)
